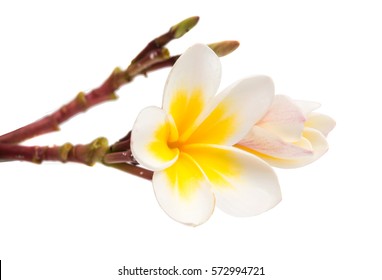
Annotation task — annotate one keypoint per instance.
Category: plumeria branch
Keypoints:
(133, 170)
(89, 154)
(153, 57)
(120, 152)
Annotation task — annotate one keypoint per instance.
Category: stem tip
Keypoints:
(184, 26)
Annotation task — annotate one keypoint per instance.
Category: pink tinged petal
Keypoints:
(267, 144)
(192, 82)
(322, 123)
(150, 136)
(284, 119)
(306, 106)
(234, 111)
(184, 193)
(243, 184)
(312, 139)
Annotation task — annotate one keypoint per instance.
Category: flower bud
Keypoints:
(225, 47)
(183, 27)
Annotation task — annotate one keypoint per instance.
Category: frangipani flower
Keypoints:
(290, 134)
(188, 142)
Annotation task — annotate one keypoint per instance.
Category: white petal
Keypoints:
(149, 139)
(322, 123)
(266, 144)
(307, 106)
(284, 118)
(234, 111)
(184, 193)
(192, 82)
(243, 184)
(317, 140)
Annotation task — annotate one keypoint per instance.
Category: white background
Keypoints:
(74, 222)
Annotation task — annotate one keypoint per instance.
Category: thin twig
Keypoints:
(87, 154)
(152, 54)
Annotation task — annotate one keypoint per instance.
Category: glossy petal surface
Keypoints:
(284, 118)
(192, 83)
(149, 140)
(321, 122)
(243, 184)
(312, 140)
(268, 143)
(183, 192)
(234, 111)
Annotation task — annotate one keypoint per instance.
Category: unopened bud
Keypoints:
(225, 47)
(183, 27)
